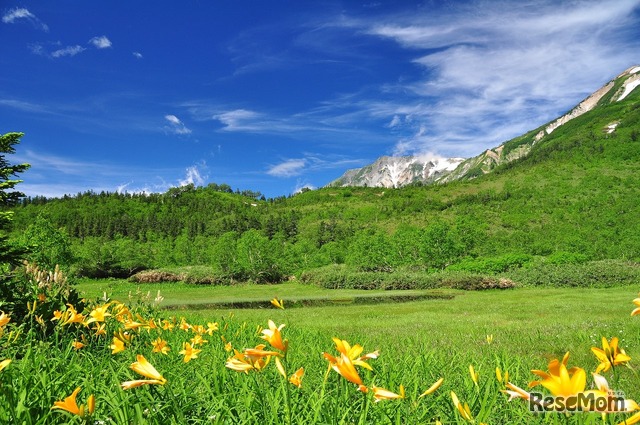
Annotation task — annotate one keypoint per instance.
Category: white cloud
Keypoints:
(101, 42)
(138, 55)
(237, 119)
(300, 186)
(193, 176)
(68, 51)
(21, 13)
(176, 126)
(288, 168)
(494, 70)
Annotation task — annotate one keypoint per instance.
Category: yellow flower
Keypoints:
(353, 353)
(243, 362)
(382, 394)
(4, 363)
(189, 352)
(122, 312)
(274, 337)
(167, 325)
(197, 340)
(70, 405)
(72, 316)
(631, 420)
(474, 375)
(239, 364)
(4, 319)
(198, 329)
(184, 325)
(463, 409)
(99, 329)
(160, 346)
(99, 313)
(432, 388)
(636, 310)
(259, 352)
(489, 338)
(77, 345)
(348, 359)
(609, 355)
(117, 345)
(515, 392)
(280, 368)
(561, 381)
(144, 368)
(131, 324)
(500, 377)
(344, 366)
(278, 303)
(211, 328)
(296, 378)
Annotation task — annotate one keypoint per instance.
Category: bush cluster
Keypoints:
(343, 277)
(602, 273)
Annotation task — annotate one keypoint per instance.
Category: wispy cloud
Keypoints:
(20, 14)
(288, 168)
(311, 162)
(137, 55)
(238, 119)
(176, 126)
(24, 106)
(68, 51)
(494, 70)
(101, 42)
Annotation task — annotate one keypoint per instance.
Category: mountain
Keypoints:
(393, 172)
(397, 171)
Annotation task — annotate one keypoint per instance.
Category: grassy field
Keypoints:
(418, 342)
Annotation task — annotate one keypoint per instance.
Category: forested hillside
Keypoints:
(575, 196)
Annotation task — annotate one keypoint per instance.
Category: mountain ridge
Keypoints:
(394, 171)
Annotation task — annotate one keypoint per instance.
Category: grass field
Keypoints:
(418, 343)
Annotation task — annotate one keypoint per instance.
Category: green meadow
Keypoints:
(418, 342)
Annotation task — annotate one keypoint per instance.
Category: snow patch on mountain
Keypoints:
(397, 171)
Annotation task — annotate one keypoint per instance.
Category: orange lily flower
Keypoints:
(146, 369)
(463, 409)
(277, 303)
(296, 378)
(432, 388)
(609, 355)
(344, 366)
(160, 346)
(99, 314)
(382, 394)
(274, 337)
(4, 319)
(70, 405)
(4, 363)
(211, 328)
(189, 352)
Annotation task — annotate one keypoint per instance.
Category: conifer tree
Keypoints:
(9, 254)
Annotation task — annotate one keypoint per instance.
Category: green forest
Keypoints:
(571, 204)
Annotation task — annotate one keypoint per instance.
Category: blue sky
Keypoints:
(278, 95)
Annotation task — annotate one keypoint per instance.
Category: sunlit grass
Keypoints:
(417, 343)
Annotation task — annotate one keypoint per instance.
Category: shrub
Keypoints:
(342, 277)
(494, 265)
(563, 257)
(602, 273)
